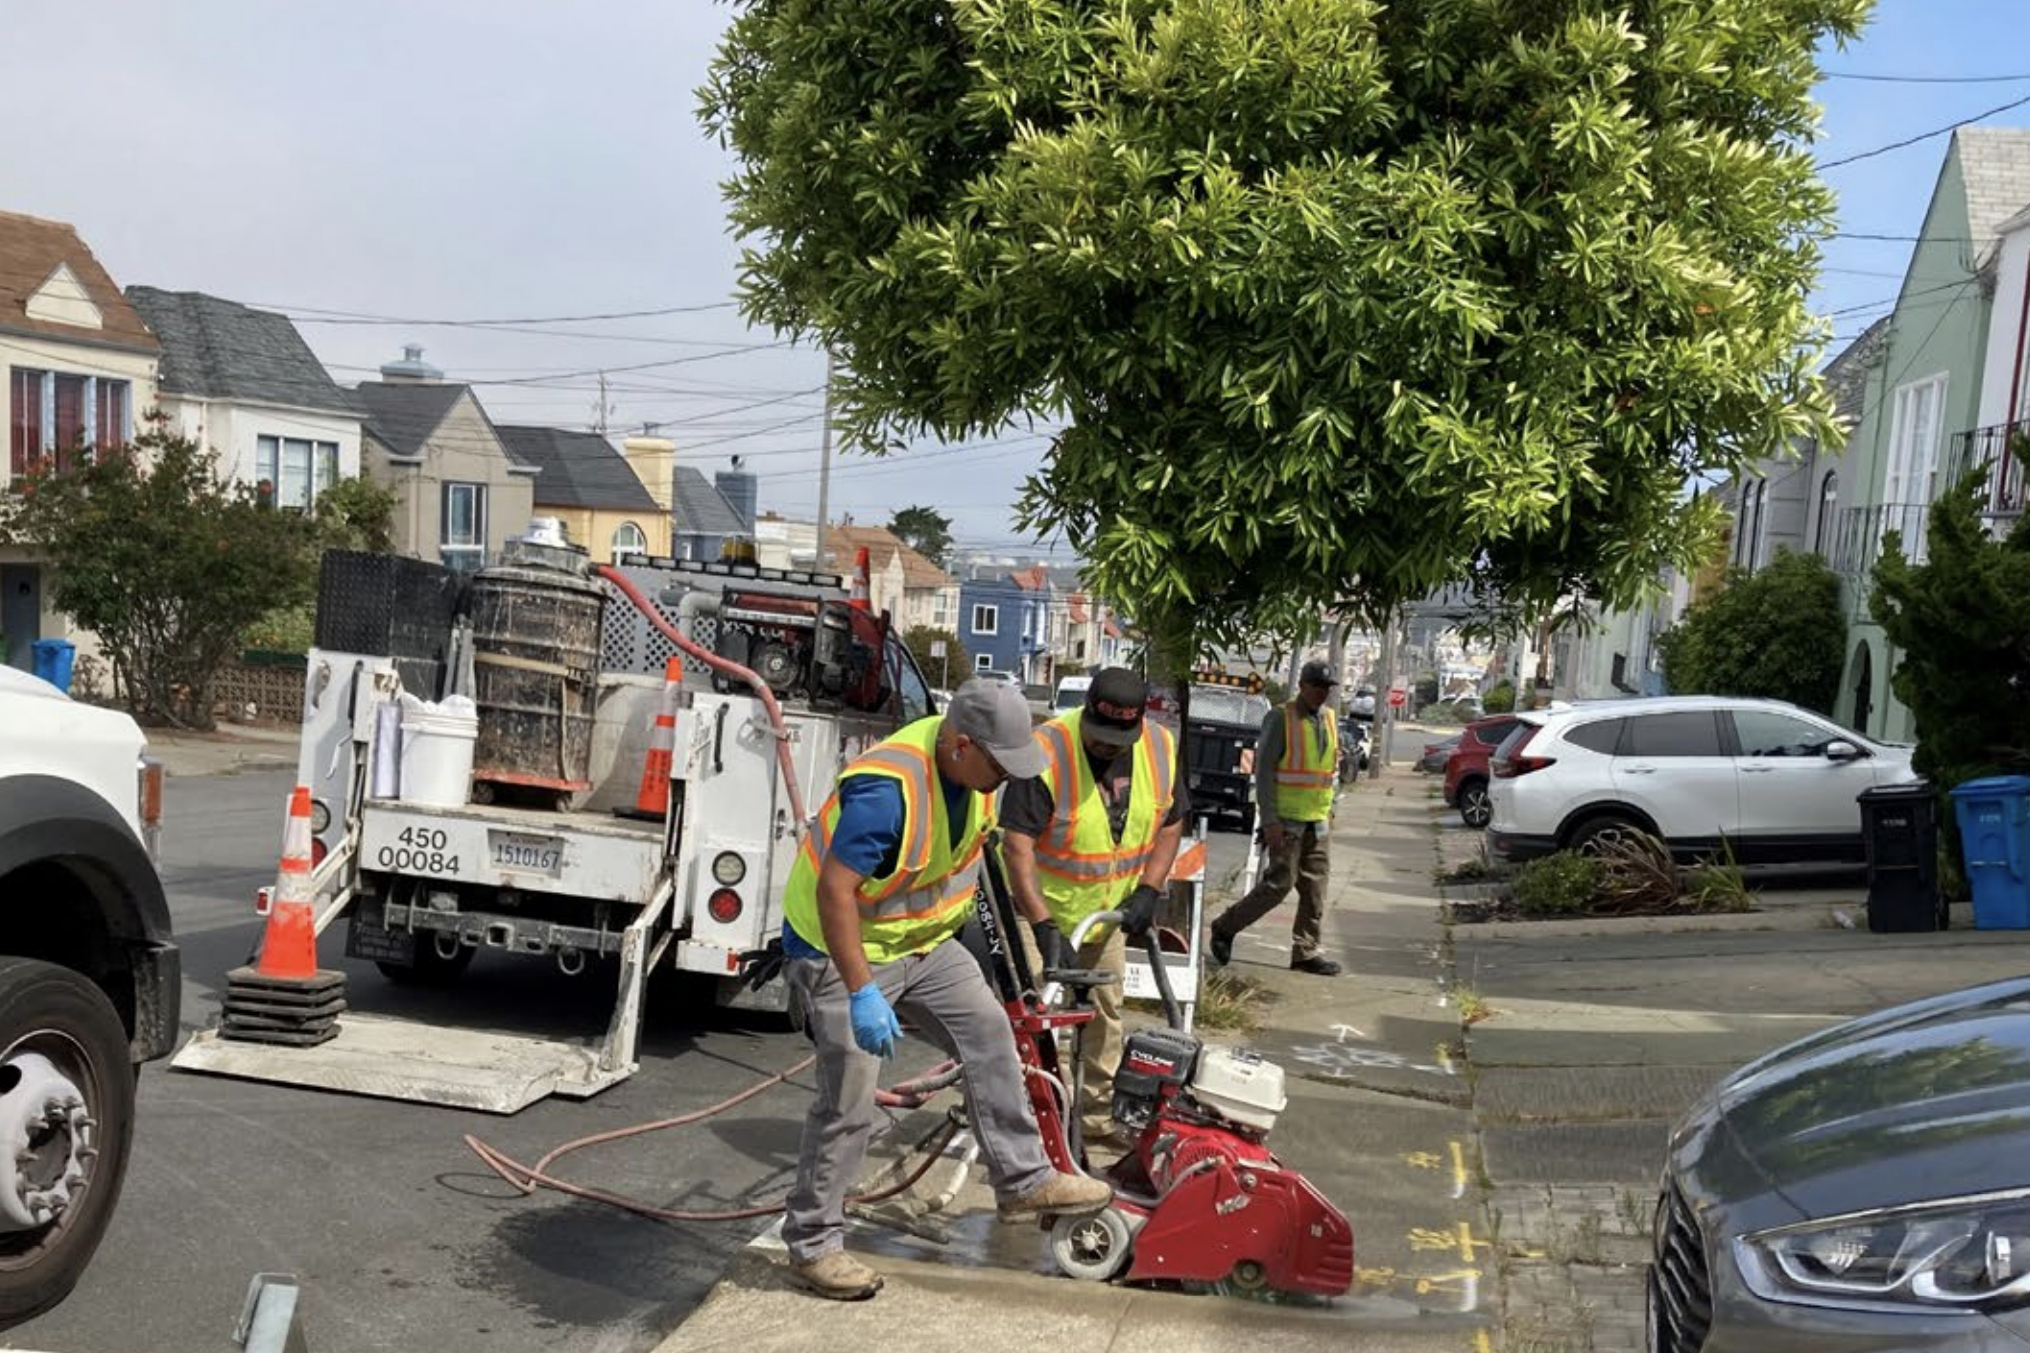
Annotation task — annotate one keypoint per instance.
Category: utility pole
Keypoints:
(824, 469)
(602, 410)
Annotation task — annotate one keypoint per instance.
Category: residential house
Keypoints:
(243, 383)
(1927, 383)
(459, 494)
(1998, 442)
(782, 543)
(1004, 621)
(705, 519)
(80, 365)
(1791, 502)
(592, 489)
(915, 592)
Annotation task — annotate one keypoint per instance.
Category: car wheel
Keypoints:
(429, 966)
(67, 1112)
(1476, 808)
(1589, 836)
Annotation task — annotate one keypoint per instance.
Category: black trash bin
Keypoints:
(1899, 824)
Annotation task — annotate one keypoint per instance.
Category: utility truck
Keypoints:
(648, 742)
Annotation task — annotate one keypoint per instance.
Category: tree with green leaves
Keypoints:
(166, 564)
(938, 671)
(1332, 302)
(1960, 625)
(1778, 633)
(925, 530)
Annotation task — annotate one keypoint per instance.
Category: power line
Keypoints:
(365, 317)
(1925, 136)
(1926, 79)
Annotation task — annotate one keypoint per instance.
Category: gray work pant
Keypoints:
(943, 994)
(1302, 863)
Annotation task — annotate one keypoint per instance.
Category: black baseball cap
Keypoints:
(1113, 707)
(1317, 674)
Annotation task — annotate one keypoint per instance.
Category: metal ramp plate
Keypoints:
(426, 1064)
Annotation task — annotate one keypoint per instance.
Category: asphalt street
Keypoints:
(398, 1235)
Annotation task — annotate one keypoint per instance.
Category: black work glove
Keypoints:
(1050, 945)
(1140, 911)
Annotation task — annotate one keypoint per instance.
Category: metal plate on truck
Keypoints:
(528, 854)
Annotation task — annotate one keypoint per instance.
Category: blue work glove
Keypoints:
(874, 1026)
(1140, 911)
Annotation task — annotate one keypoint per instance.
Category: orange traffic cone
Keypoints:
(285, 997)
(862, 568)
(652, 798)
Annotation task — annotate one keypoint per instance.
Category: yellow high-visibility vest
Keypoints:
(1308, 770)
(930, 894)
(1083, 869)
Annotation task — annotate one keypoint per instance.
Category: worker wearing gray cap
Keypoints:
(1296, 774)
(880, 889)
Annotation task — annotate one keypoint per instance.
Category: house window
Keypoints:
(983, 662)
(56, 413)
(293, 472)
(941, 610)
(463, 533)
(629, 539)
(1829, 502)
(1912, 475)
(986, 620)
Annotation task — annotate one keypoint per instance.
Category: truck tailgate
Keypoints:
(575, 854)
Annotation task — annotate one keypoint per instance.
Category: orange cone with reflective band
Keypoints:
(289, 945)
(862, 569)
(652, 799)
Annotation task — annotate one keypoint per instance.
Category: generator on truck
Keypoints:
(646, 743)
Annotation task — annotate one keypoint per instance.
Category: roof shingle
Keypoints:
(698, 508)
(577, 469)
(404, 416)
(30, 251)
(1995, 166)
(218, 349)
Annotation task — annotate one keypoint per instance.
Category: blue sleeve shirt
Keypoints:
(868, 837)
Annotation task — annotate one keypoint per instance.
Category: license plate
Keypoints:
(527, 854)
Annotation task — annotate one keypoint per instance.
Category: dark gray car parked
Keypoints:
(1865, 1188)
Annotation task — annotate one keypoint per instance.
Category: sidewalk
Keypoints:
(1377, 1119)
(230, 749)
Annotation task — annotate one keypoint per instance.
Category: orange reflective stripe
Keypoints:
(1062, 767)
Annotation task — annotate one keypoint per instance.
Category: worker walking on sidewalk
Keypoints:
(880, 889)
(1097, 831)
(1296, 767)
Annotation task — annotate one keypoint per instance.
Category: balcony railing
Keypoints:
(1857, 541)
(2000, 448)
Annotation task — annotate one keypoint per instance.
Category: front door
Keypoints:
(21, 612)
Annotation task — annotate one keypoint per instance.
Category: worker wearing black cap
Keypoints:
(1097, 831)
(1296, 774)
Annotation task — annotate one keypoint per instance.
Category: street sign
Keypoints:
(937, 648)
(1398, 697)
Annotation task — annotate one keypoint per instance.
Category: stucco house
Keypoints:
(592, 488)
(80, 367)
(243, 383)
(459, 494)
(915, 592)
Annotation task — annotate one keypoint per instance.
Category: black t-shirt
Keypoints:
(1026, 805)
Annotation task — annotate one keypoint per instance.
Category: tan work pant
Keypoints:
(1100, 1055)
(1302, 863)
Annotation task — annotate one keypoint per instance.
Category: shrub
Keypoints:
(1563, 884)
(1501, 699)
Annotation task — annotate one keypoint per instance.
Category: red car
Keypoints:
(1466, 769)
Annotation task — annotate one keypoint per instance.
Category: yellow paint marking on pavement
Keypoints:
(1426, 1238)
(1482, 1343)
(1380, 1279)
(1422, 1160)
(1467, 1244)
(1458, 1169)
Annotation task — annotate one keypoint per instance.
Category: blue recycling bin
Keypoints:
(1994, 823)
(53, 659)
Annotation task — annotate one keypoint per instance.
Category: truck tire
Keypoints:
(427, 967)
(67, 1084)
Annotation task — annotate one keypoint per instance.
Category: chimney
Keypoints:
(654, 462)
(741, 491)
(412, 369)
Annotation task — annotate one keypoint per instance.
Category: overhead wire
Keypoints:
(1924, 136)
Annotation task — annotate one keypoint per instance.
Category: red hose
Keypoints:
(730, 668)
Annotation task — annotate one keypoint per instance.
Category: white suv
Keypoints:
(1775, 782)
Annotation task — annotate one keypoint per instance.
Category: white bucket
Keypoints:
(437, 745)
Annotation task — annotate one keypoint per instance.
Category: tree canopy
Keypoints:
(925, 530)
(1338, 301)
(1778, 634)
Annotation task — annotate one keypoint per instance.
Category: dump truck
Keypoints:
(646, 744)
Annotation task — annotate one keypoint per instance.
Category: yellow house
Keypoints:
(593, 489)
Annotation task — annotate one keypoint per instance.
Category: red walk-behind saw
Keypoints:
(1200, 1198)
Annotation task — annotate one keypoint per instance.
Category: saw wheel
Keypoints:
(1092, 1248)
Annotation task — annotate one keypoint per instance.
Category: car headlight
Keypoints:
(1967, 1253)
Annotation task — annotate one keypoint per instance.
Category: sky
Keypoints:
(459, 160)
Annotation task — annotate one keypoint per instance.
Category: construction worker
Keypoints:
(1296, 766)
(1097, 831)
(882, 885)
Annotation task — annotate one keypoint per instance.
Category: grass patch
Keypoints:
(1230, 1003)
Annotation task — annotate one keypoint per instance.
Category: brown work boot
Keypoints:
(1060, 1195)
(835, 1276)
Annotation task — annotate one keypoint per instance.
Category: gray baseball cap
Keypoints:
(994, 715)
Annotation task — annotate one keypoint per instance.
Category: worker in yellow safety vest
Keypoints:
(1296, 776)
(1097, 831)
(874, 902)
